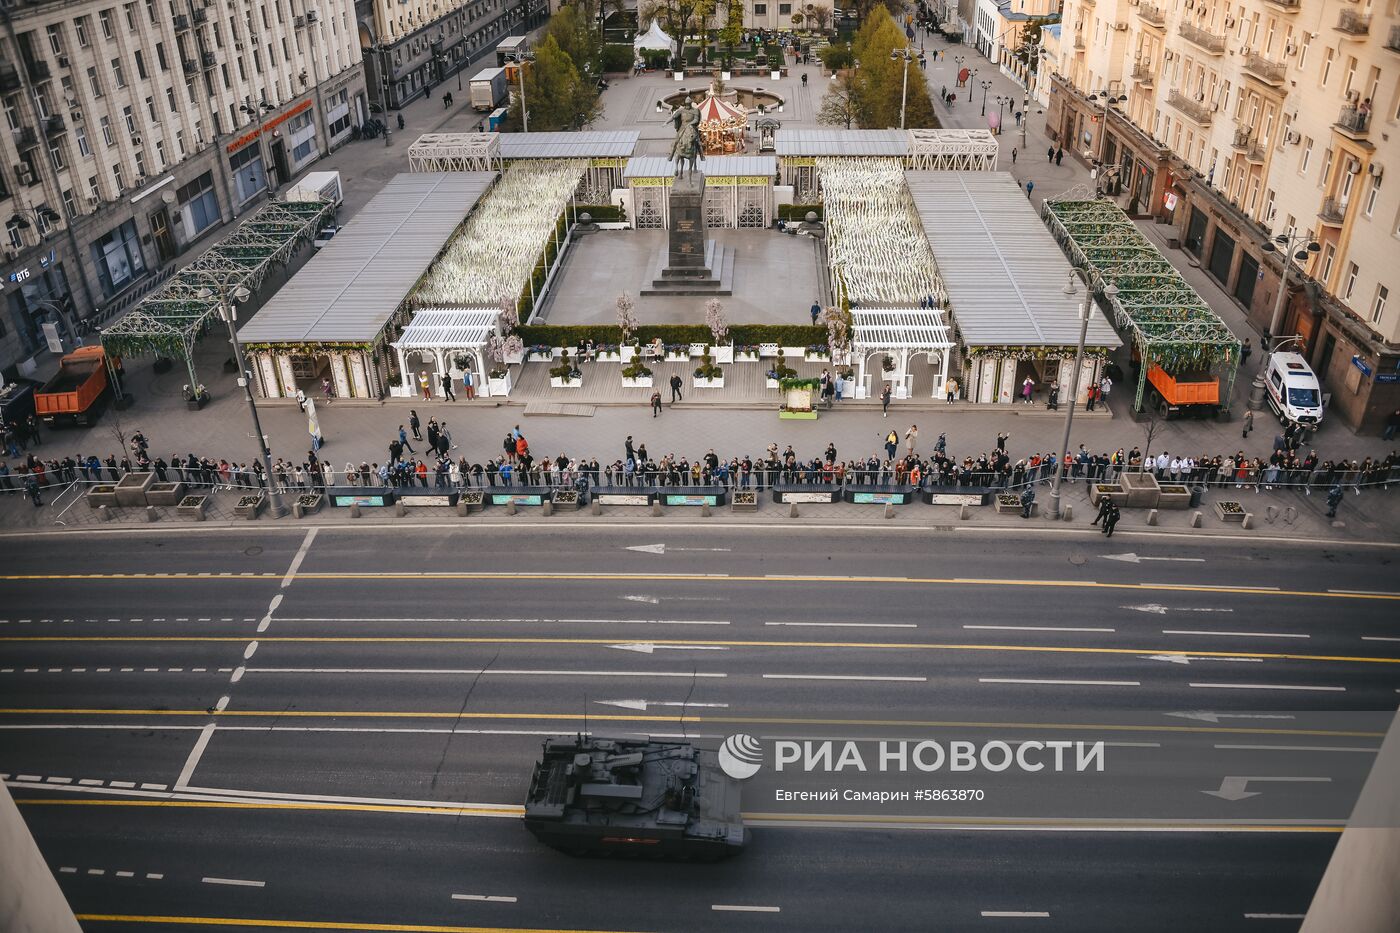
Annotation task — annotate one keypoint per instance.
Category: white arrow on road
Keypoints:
(656, 600)
(1131, 558)
(646, 647)
(1233, 788)
(1163, 610)
(1187, 658)
(643, 704)
(1207, 716)
(661, 548)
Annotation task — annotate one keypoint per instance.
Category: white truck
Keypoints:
(488, 89)
(1294, 392)
(510, 48)
(317, 186)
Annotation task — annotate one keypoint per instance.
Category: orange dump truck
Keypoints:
(1187, 394)
(77, 393)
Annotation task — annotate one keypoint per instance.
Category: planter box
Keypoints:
(677, 356)
(249, 506)
(1100, 491)
(131, 489)
(697, 350)
(514, 359)
(890, 374)
(746, 357)
(1005, 502)
(794, 353)
(744, 500)
(1229, 510)
(724, 354)
(799, 415)
(192, 508)
(533, 357)
(726, 75)
(1140, 490)
(102, 495)
(499, 386)
(565, 500)
(771, 383)
(168, 494)
(641, 382)
(308, 503)
(679, 75)
(609, 357)
(558, 382)
(473, 499)
(628, 353)
(817, 357)
(699, 383)
(767, 349)
(1174, 496)
(775, 75)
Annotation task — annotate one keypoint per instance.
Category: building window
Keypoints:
(80, 134)
(140, 64)
(80, 29)
(140, 164)
(130, 120)
(55, 39)
(94, 192)
(130, 10)
(151, 109)
(1329, 253)
(1373, 195)
(180, 142)
(785, 9)
(117, 75)
(1378, 308)
(1326, 168)
(70, 202)
(118, 258)
(199, 205)
(104, 17)
(1328, 55)
(1349, 285)
(107, 137)
(117, 179)
(94, 82)
(160, 152)
(249, 175)
(170, 100)
(1306, 157)
(14, 234)
(302, 151)
(160, 57)
(56, 157)
(759, 9)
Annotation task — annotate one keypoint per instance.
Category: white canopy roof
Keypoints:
(898, 329)
(449, 329)
(654, 39)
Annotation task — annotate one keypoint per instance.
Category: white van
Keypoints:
(1293, 389)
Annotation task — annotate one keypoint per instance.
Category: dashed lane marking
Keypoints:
(239, 882)
(488, 898)
(281, 924)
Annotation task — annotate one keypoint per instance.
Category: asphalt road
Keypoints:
(349, 718)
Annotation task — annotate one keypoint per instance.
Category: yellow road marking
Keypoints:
(759, 643)
(894, 819)
(743, 720)
(542, 577)
(312, 924)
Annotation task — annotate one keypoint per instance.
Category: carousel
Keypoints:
(722, 125)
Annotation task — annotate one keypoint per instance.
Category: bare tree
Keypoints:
(820, 15)
(840, 106)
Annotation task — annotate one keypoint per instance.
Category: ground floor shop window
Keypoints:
(199, 205)
(117, 257)
(249, 174)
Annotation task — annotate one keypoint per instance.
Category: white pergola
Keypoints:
(445, 333)
(902, 333)
(455, 152)
(952, 150)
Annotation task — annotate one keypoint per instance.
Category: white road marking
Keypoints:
(1038, 628)
(642, 705)
(661, 548)
(235, 881)
(489, 898)
(29, 777)
(649, 648)
(1187, 659)
(1171, 631)
(154, 876)
(748, 908)
(1015, 913)
(472, 671)
(1232, 788)
(1131, 558)
(68, 871)
(91, 782)
(123, 783)
(1207, 716)
(97, 871)
(222, 704)
(1378, 638)
(1302, 748)
(1366, 592)
(126, 874)
(249, 651)
(300, 556)
(1268, 687)
(1275, 916)
(841, 677)
(196, 753)
(846, 624)
(60, 780)
(513, 621)
(237, 675)
(153, 786)
(1071, 683)
(1161, 610)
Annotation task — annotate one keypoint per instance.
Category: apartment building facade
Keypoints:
(1235, 122)
(412, 46)
(138, 130)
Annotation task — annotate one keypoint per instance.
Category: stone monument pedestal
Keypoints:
(690, 263)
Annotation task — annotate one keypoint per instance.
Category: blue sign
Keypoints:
(1388, 378)
(1362, 365)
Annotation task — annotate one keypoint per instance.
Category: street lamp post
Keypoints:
(1110, 291)
(1285, 244)
(257, 111)
(907, 55)
(521, 57)
(986, 86)
(1033, 54)
(228, 293)
(384, 90)
(1106, 99)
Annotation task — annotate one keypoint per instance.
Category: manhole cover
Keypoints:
(255, 551)
(1078, 560)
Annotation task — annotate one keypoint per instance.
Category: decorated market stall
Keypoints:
(738, 191)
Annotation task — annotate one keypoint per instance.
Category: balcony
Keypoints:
(191, 67)
(201, 16)
(1198, 113)
(1152, 14)
(182, 22)
(1144, 73)
(1206, 40)
(54, 125)
(9, 78)
(1393, 42)
(1352, 23)
(1333, 212)
(1353, 123)
(1079, 43)
(1270, 72)
(25, 138)
(1289, 6)
(1088, 3)
(38, 70)
(208, 59)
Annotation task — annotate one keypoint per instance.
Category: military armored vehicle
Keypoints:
(634, 797)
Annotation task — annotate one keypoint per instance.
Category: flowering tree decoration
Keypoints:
(626, 320)
(716, 321)
(838, 332)
(509, 317)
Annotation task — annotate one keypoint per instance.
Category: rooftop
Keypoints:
(721, 166)
(589, 144)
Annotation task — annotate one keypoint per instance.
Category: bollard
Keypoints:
(963, 513)
(1195, 519)
(1248, 520)
(298, 511)
(510, 507)
(705, 508)
(1069, 513)
(1151, 516)
(792, 509)
(151, 513)
(889, 510)
(546, 507)
(399, 510)
(462, 509)
(354, 511)
(656, 508)
(595, 507)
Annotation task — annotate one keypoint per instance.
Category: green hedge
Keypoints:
(601, 213)
(569, 335)
(617, 58)
(798, 211)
